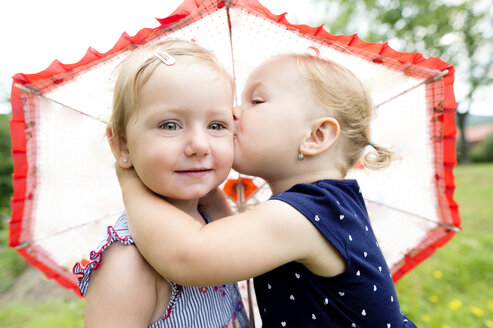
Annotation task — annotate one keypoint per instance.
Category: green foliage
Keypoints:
(5, 165)
(458, 147)
(483, 152)
(459, 32)
(11, 264)
(453, 287)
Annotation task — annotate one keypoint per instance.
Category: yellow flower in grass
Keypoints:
(489, 324)
(426, 318)
(434, 299)
(478, 312)
(490, 304)
(445, 326)
(438, 274)
(455, 304)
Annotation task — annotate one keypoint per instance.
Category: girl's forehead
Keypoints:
(280, 71)
(277, 66)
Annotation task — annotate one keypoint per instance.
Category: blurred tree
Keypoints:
(5, 165)
(483, 152)
(458, 31)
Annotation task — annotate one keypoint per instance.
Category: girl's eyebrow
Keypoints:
(252, 87)
(169, 111)
(166, 111)
(257, 85)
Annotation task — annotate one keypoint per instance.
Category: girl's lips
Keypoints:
(194, 173)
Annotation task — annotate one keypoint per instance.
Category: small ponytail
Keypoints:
(378, 158)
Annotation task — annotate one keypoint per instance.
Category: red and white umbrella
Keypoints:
(65, 189)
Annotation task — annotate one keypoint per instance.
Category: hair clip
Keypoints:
(166, 58)
(371, 143)
(313, 51)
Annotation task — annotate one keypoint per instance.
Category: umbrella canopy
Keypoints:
(65, 189)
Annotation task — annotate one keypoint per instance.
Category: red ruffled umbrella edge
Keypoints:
(58, 72)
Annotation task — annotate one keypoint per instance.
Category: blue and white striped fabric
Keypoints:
(200, 307)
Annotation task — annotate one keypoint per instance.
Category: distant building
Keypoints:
(476, 133)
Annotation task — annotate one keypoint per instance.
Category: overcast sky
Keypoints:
(35, 32)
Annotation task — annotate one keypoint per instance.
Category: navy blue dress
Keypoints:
(362, 296)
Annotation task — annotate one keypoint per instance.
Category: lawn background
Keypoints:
(453, 288)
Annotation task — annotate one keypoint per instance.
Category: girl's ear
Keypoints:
(323, 134)
(118, 148)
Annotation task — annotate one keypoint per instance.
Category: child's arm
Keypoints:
(121, 291)
(228, 250)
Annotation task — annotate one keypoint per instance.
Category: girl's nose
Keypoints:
(198, 144)
(237, 112)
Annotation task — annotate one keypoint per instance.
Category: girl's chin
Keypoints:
(182, 199)
(238, 167)
(243, 169)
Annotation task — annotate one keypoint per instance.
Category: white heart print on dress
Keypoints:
(363, 313)
(314, 317)
(283, 323)
(317, 218)
(297, 275)
(291, 298)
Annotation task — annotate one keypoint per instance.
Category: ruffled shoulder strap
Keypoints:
(119, 232)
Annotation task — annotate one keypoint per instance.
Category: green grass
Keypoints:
(49, 314)
(451, 289)
(22, 313)
(454, 288)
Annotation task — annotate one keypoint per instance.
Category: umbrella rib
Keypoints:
(427, 81)
(40, 94)
(255, 191)
(27, 243)
(441, 224)
(230, 31)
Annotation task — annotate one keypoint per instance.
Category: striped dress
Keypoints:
(201, 307)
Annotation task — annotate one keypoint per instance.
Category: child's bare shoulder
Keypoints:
(123, 275)
(125, 265)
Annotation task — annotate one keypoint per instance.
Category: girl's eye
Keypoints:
(257, 101)
(217, 126)
(169, 126)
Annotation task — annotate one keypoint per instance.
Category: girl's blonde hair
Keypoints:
(344, 97)
(136, 69)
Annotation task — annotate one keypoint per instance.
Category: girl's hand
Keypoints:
(215, 205)
(125, 175)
